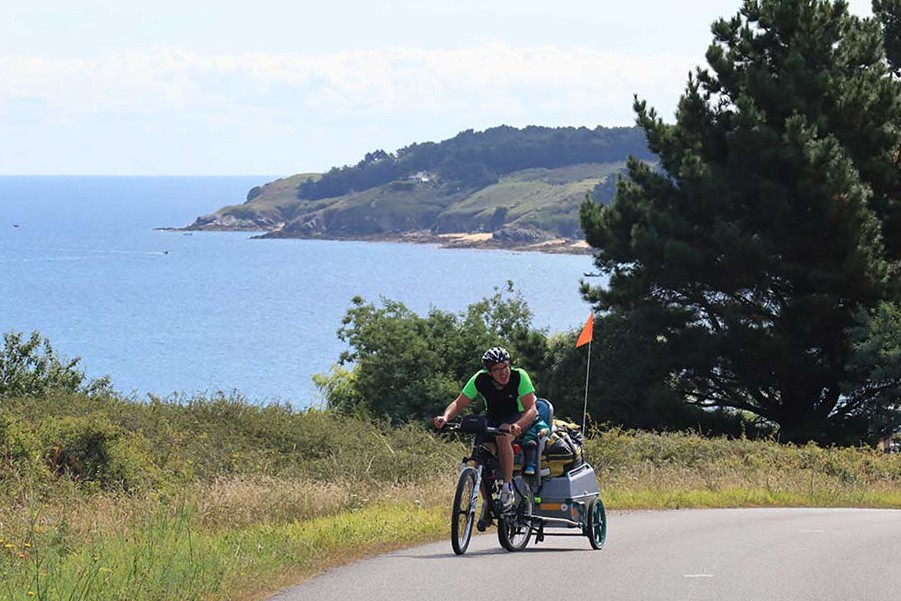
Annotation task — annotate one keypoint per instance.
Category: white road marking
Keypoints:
(698, 576)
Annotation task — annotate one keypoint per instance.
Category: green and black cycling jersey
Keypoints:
(499, 402)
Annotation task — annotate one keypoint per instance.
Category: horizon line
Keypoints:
(144, 175)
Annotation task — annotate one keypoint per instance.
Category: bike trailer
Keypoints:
(567, 496)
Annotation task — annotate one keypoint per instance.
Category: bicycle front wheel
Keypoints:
(464, 511)
(514, 528)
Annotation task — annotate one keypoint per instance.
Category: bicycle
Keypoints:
(481, 468)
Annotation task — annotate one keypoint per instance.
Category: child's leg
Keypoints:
(529, 456)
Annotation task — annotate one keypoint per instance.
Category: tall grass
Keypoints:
(216, 498)
(643, 470)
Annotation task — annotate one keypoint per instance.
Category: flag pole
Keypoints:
(585, 407)
(586, 336)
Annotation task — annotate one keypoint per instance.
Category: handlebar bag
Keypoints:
(474, 424)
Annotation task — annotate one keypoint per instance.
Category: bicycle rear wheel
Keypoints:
(463, 514)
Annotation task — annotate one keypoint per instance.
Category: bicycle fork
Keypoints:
(475, 490)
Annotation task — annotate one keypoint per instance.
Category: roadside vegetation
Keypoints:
(105, 497)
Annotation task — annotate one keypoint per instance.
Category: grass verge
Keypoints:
(219, 499)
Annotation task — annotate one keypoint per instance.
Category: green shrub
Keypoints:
(18, 444)
(391, 347)
(31, 368)
(92, 449)
(403, 185)
(21, 467)
(339, 388)
(132, 463)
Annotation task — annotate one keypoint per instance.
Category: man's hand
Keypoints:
(438, 421)
(513, 429)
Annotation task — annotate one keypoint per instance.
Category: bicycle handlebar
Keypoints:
(451, 426)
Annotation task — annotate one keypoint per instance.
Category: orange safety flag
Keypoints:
(587, 332)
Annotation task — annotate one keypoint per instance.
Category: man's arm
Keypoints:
(455, 408)
(530, 410)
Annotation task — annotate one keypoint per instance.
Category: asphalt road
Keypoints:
(717, 554)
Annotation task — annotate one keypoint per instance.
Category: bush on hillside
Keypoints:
(92, 449)
(31, 368)
(111, 443)
(20, 451)
(409, 367)
(623, 452)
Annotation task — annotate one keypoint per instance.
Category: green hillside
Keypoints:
(517, 188)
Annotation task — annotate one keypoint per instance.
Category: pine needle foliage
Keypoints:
(773, 220)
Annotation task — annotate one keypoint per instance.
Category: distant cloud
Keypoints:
(393, 80)
(341, 103)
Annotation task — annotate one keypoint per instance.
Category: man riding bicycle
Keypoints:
(509, 398)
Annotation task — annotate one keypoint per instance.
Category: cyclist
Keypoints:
(509, 398)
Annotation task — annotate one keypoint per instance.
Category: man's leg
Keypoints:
(505, 456)
(485, 516)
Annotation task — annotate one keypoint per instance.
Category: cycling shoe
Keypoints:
(506, 499)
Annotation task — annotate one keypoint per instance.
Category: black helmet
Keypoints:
(496, 354)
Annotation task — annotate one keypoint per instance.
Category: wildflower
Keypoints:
(27, 545)
(31, 593)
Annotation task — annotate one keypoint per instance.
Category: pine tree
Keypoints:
(772, 218)
(889, 14)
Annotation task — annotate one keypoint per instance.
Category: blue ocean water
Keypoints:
(164, 312)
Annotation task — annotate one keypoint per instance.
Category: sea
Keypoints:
(177, 314)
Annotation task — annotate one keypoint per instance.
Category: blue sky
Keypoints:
(201, 87)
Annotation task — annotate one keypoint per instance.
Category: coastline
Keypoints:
(480, 241)
(487, 241)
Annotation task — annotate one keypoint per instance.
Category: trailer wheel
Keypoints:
(596, 528)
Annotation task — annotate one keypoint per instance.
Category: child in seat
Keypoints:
(531, 444)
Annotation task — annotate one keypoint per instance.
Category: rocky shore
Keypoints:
(483, 241)
(487, 241)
